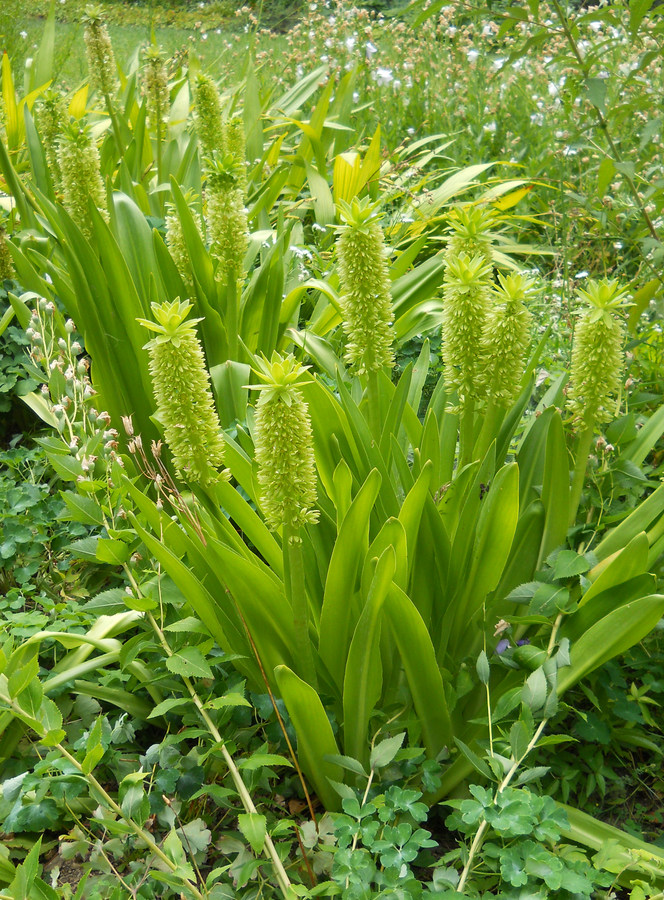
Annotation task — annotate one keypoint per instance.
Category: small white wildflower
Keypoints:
(472, 55)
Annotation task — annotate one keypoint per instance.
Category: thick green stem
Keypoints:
(372, 401)
(580, 466)
(232, 317)
(466, 432)
(297, 595)
(491, 423)
(115, 126)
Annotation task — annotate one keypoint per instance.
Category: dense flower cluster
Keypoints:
(99, 53)
(505, 339)
(597, 354)
(181, 387)
(365, 287)
(284, 446)
(6, 265)
(208, 116)
(53, 117)
(155, 88)
(227, 224)
(78, 158)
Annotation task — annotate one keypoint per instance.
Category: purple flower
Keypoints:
(502, 646)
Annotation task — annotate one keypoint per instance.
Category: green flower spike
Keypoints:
(471, 233)
(155, 88)
(597, 355)
(81, 179)
(207, 113)
(284, 445)
(466, 301)
(505, 340)
(236, 148)
(228, 228)
(6, 264)
(597, 362)
(365, 284)
(99, 52)
(53, 117)
(181, 387)
(175, 238)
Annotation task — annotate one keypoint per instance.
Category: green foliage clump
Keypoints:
(181, 387)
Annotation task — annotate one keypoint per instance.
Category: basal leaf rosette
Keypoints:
(181, 387)
(366, 289)
(597, 352)
(284, 445)
(506, 338)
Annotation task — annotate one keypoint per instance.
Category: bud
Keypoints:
(181, 387)
(53, 116)
(597, 355)
(465, 310)
(365, 284)
(207, 113)
(81, 179)
(505, 340)
(284, 445)
(155, 88)
(99, 52)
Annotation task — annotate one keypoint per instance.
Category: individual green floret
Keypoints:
(466, 301)
(597, 352)
(505, 339)
(227, 223)
(81, 179)
(155, 88)
(366, 298)
(175, 237)
(53, 117)
(284, 446)
(471, 233)
(99, 52)
(207, 113)
(181, 387)
(6, 264)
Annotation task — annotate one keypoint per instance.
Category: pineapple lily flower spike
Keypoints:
(181, 387)
(597, 362)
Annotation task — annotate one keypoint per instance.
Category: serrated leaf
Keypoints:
(534, 690)
(230, 699)
(253, 827)
(168, 705)
(473, 758)
(258, 760)
(520, 736)
(383, 753)
(347, 762)
(92, 758)
(82, 509)
(110, 551)
(568, 564)
(190, 663)
(532, 774)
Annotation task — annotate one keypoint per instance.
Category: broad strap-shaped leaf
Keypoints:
(347, 557)
(363, 676)
(624, 564)
(555, 488)
(640, 520)
(315, 738)
(422, 673)
(611, 636)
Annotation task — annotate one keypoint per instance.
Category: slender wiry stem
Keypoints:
(245, 796)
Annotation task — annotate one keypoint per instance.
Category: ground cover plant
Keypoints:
(389, 582)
